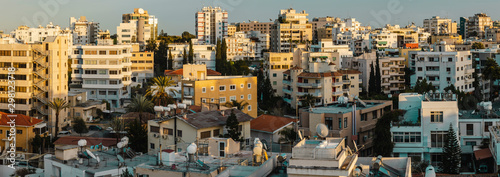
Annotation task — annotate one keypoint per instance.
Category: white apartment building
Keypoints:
(241, 47)
(348, 30)
(327, 45)
(211, 24)
(421, 133)
(203, 54)
(27, 35)
(443, 67)
(438, 25)
(474, 127)
(84, 32)
(104, 72)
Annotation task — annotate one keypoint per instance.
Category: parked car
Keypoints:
(95, 127)
(64, 133)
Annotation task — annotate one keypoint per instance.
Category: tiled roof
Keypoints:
(180, 72)
(20, 120)
(287, 72)
(131, 116)
(295, 68)
(269, 123)
(91, 141)
(213, 118)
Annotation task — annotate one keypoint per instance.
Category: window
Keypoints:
(232, 87)
(103, 72)
(203, 90)
(487, 126)
(241, 85)
(212, 88)
(437, 116)
(470, 143)
(374, 114)
(407, 137)
(438, 138)
(242, 97)
(152, 145)
(340, 123)
(222, 88)
(274, 74)
(222, 99)
(249, 107)
(179, 133)
(436, 159)
(232, 98)
(216, 132)
(154, 129)
(345, 122)
(415, 157)
(329, 123)
(102, 92)
(470, 129)
(19, 131)
(168, 131)
(363, 117)
(249, 96)
(205, 134)
(249, 86)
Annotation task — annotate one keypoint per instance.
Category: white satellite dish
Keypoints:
(192, 148)
(82, 142)
(120, 145)
(90, 153)
(141, 11)
(172, 106)
(125, 139)
(79, 98)
(322, 130)
(256, 140)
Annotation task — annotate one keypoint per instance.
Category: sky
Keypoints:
(176, 16)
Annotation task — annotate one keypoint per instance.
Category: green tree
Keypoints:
(58, 104)
(477, 45)
(232, 127)
(140, 104)
(36, 143)
(308, 100)
(423, 87)
(372, 82)
(451, 153)
(151, 46)
(184, 57)
(160, 58)
(408, 73)
(239, 105)
(491, 72)
(287, 135)
(22, 172)
(378, 77)
(138, 136)
(80, 126)
(186, 36)
(118, 126)
(382, 131)
(160, 92)
(191, 52)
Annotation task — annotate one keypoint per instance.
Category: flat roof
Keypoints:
(473, 114)
(338, 108)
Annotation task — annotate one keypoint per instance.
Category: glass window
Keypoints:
(222, 88)
(437, 116)
(438, 138)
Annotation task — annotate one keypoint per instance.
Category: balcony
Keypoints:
(469, 71)
(188, 95)
(317, 94)
(287, 91)
(337, 84)
(286, 82)
(309, 85)
(338, 93)
(347, 81)
(289, 101)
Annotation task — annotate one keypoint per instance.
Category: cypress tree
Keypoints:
(378, 78)
(170, 60)
(191, 52)
(184, 57)
(371, 82)
(451, 153)
(232, 127)
(218, 63)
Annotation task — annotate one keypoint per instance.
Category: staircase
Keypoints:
(40, 79)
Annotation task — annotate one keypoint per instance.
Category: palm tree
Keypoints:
(491, 72)
(158, 92)
(308, 100)
(58, 104)
(140, 104)
(239, 105)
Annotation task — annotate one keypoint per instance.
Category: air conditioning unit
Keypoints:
(155, 135)
(165, 136)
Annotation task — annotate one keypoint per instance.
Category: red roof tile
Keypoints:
(483, 154)
(91, 141)
(21, 120)
(269, 123)
(213, 73)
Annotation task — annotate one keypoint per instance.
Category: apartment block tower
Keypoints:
(211, 24)
(291, 28)
(41, 75)
(84, 32)
(438, 25)
(138, 27)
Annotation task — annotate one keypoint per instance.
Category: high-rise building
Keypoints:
(104, 72)
(211, 24)
(84, 32)
(246, 45)
(475, 26)
(138, 27)
(231, 29)
(41, 75)
(27, 35)
(438, 25)
(291, 28)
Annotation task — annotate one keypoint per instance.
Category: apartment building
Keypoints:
(391, 70)
(438, 25)
(480, 56)
(352, 122)
(26, 129)
(331, 157)
(211, 24)
(104, 72)
(41, 75)
(494, 145)
(142, 65)
(329, 46)
(27, 35)
(84, 32)
(443, 67)
(474, 126)
(231, 29)
(322, 27)
(275, 64)
(138, 27)
(203, 54)
(322, 80)
(263, 27)
(475, 26)
(291, 28)
(83, 108)
(421, 133)
(242, 47)
(180, 131)
(347, 31)
(200, 89)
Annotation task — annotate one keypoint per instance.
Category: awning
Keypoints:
(482, 154)
(41, 125)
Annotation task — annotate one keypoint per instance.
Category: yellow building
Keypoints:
(275, 64)
(290, 27)
(406, 52)
(41, 75)
(198, 88)
(26, 129)
(448, 38)
(231, 29)
(142, 66)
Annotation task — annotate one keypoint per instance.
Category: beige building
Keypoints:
(143, 65)
(138, 27)
(180, 131)
(84, 32)
(275, 64)
(438, 25)
(231, 29)
(291, 28)
(391, 71)
(199, 89)
(83, 108)
(41, 74)
(263, 27)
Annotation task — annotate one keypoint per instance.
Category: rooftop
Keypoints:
(269, 123)
(20, 119)
(338, 108)
(210, 118)
(180, 72)
(89, 103)
(73, 140)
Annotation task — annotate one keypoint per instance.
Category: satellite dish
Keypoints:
(141, 11)
(158, 108)
(300, 135)
(90, 153)
(172, 106)
(79, 98)
(322, 130)
(82, 142)
(430, 172)
(191, 149)
(125, 139)
(120, 145)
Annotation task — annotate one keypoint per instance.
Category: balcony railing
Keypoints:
(287, 82)
(310, 85)
(317, 94)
